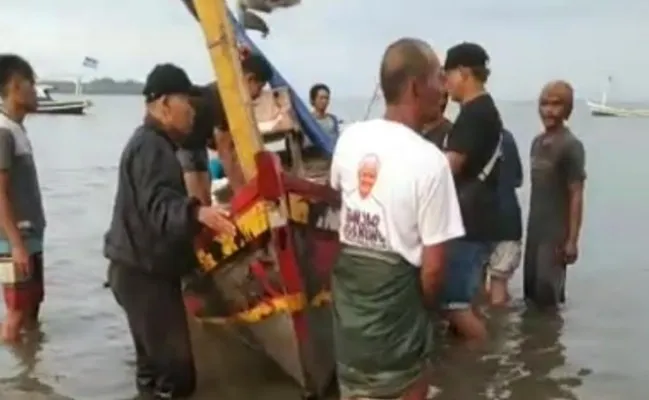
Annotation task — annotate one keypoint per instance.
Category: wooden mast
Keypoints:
(226, 64)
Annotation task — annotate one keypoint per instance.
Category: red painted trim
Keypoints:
(290, 271)
(245, 197)
(270, 181)
(270, 173)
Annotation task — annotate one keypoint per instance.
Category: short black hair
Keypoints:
(12, 65)
(258, 66)
(403, 60)
(471, 56)
(313, 92)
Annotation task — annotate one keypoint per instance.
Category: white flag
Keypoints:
(90, 62)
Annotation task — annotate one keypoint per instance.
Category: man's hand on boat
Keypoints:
(216, 218)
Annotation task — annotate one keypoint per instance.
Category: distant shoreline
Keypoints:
(103, 86)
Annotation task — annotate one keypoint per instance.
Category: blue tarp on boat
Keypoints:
(310, 126)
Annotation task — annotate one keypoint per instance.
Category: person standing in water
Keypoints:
(150, 239)
(473, 150)
(319, 96)
(437, 130)
(22, 218)
(506, 253)
(397, 215)
(558, 174)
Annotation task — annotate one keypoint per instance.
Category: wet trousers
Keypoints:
(158, 323)
(544, 273)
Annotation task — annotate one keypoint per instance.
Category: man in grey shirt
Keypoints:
(558, 175)
(22, 220)
(319, 96)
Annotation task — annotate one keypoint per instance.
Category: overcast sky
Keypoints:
(341, 41)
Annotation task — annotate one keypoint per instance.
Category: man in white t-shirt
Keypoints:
(399, 208)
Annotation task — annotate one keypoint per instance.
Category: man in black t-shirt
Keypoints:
(473, 150)
(211, 129)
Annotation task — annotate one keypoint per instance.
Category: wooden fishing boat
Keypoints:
(270, 281)
(602, 109)
(49, 105)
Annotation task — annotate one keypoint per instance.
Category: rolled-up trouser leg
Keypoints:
(504, 258)
(157, 319)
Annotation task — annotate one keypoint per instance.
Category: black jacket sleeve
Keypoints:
(160, 194)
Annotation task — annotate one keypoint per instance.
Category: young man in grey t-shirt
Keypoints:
(22, 220)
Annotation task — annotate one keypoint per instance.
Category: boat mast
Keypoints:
(78, 85)
(607, 87)
(224, 54)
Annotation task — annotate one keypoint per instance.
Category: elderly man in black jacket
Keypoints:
(149, 242)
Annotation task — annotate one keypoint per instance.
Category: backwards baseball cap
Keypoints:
(165, 79)
(467, 55)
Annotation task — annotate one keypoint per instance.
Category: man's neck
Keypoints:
(319, 113)
(439, 121)
(400, 114)
(14, 113)
(473, 93)
(555, 129)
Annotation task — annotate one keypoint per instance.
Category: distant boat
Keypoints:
(48, 105)
(601, 109)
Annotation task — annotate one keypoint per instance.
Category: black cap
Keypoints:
(167, 79)
(466, 55)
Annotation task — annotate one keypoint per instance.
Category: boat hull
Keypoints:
(601, 110)
(270, 282)
(65, 108)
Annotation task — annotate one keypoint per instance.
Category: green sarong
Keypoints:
(382, 331)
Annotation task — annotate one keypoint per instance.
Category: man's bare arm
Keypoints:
(228, 157)
(576, 207)
(456, 161)
(432, 272)
(7, 218)
(576, 176)
(439, 221)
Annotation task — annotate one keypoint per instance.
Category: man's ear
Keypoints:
(413, 87)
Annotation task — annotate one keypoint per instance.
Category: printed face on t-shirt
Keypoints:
(368, 172)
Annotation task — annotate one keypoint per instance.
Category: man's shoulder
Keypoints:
(482, 104)
(480, 113)
(571, 138)
(142, 136)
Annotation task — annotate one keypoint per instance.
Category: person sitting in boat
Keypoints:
(211, 130)
(397, 215)
(319, 96)
(215, 167)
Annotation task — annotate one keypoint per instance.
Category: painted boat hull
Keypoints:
(270, 282)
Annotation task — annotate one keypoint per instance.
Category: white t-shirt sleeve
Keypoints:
(439, 218)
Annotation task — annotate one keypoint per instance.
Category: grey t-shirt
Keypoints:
(16, 158)
(557, 160)
(329, 124)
